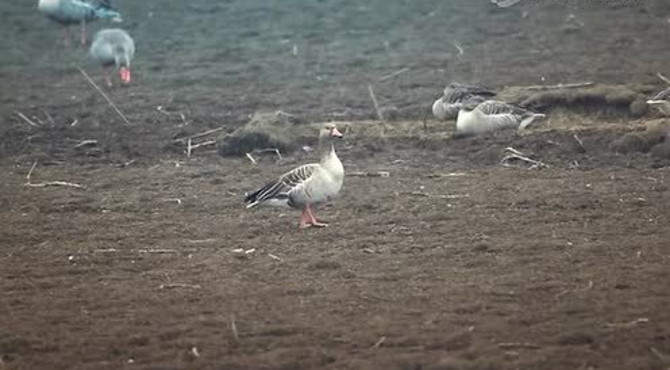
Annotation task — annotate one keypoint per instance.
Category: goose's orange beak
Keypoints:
(125, 74)
(334, 132)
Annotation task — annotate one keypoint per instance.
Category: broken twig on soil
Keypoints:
(109, 101)
(54, 183)
(520, 156)
(369, 174)
(208, 132)
(458, 47)
(23, 117)
(157, 251)
(30, 173)
(261, 151)
(190, 146)
(512, 345)
(560, 86)
(579, 141)
(628, 324)
(375, 103)
(391, 75)
(379, 342)
(663, 357)
(663, 78)
(439, 196)
(233, 327)
(450, 174)
(179, 285)
(85, 143)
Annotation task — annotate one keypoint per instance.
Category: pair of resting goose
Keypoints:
(110, 47)
(476, 112)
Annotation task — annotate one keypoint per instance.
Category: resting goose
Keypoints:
(492, 115)
(68, 12)
(113, 48)
(661, 101)
(306, 185)
(455, 96)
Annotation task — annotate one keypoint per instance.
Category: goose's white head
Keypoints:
(329, 132)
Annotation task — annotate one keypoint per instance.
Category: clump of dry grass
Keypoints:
(655, 139)
(277, 130)
(600, 100)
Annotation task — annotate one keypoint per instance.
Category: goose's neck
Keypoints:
(327, 151)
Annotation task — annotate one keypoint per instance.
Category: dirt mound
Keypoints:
(594, 100)
(277, 130)
(655, 134)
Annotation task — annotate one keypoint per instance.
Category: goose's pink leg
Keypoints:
(313, 219)
(304, 219)
(66, 33)
(108, 78)
(83, 33)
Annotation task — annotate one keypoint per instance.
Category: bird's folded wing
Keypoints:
(459, 92)
(491, 107)
(286, 182)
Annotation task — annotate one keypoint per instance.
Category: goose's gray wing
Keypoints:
(281, 188)
(494, 107)
(457, 92)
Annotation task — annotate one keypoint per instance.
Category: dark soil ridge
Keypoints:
(583, 147)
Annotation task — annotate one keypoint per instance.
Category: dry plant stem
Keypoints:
(440, 196)
(560, 86)
(379, 342)
(199, 135)
(663, 78)
(49, 117)
(439, 175)
(109, 101)
(233, 327)
(391, 75)
(535, 164)
(23, 117)
(376, 104)
(663, 357)
(204, 143)
(54, 183)
(251, 158)
(579, 141)
(459, 48)
(520, 156)
(86, 142)
(30, 173)
(261, 151)
(628, 324)
(158, 251)
(369, 174)
(179, 285)
(512, 345)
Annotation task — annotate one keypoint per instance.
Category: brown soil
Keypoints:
(452, 262)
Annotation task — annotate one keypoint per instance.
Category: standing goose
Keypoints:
(68, 12)
(661, 101)
(113, 48)
(455, 96)
(492, 115)
(306, 185)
